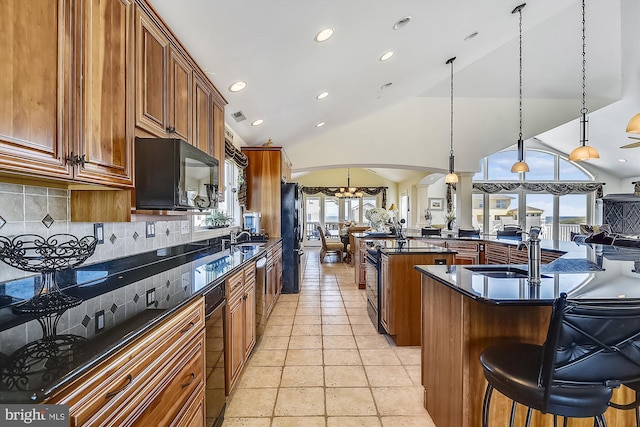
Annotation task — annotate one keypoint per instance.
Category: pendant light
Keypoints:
(584, 152)
(348, 192)
(520, 166)
(634, 124)
(451, 177)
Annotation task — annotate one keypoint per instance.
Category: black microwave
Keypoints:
(172, 174)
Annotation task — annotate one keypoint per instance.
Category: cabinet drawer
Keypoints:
(234, 285)
(179, 380)
(463, 246)
(250, 273)
(105, 389)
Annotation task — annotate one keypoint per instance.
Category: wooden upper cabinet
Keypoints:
(179, 100)
(106, 92)
(35, 82)
(202, 116)
(218, 142)
(152, 51)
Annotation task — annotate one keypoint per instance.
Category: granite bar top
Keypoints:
(133, 293)
(583, 272)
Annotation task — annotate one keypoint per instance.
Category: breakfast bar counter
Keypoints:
(465, 309)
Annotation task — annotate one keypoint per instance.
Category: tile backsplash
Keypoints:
(46, 211)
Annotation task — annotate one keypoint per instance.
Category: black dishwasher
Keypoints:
(215, 398)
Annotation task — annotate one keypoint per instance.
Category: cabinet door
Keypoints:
(385, 296)
(218, 142)
(250, 317)
(234, 342)
(179, 102)
(151, 76)
(34, 85)
(106, 139)
(201, 115)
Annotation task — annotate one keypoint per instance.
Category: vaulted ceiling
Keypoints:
(406, 125)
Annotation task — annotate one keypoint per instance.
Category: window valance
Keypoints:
(232, 153)
(331, 191)
(555, 188)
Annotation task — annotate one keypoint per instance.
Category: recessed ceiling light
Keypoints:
(470, 36)
(257, 122)
(386, 55)
(622, 160)
(322, 95)
(319, 125)
(386, 85)
(324, 35)
(401, 23)
(238, 86)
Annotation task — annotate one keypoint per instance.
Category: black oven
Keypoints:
(372, 288)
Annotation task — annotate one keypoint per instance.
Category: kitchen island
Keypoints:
(393, 294)
(468, 308)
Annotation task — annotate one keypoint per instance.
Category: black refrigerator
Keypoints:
(291, 237)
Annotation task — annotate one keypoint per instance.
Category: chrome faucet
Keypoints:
(533, 251)
(234, 236)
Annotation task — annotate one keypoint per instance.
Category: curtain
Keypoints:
(331, 191)
(240, 159)
(555, 188)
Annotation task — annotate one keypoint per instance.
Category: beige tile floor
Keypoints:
(321, 363)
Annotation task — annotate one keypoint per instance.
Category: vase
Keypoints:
(450, 224)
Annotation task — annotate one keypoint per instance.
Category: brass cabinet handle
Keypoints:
(110, 394)
(191, 325)
(188, 383)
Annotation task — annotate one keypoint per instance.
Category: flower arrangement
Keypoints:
(450, 216)
(378, 217)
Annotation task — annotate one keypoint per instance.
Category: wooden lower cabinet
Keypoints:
(468, 252)
(195, 416)
(400, 294)
(240, 325)
(152, 381)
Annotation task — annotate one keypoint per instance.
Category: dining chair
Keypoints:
(591, 348)
(336, 248)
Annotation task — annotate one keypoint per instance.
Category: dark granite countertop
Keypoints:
(393, 247)
(134, 293)
(584, 271)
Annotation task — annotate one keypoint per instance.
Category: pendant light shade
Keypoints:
(634, 124)
(584, 152)
(520, 166)
(451, 177)
(349, 192)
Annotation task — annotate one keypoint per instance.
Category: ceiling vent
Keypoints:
(238, 116)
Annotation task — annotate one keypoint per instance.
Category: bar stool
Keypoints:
(591, 348)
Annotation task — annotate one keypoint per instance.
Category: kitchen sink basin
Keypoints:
(500, 272)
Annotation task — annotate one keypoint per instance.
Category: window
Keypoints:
(330, 211)
(230, 205)
(557, 215)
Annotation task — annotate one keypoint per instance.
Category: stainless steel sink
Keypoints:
(500, 272)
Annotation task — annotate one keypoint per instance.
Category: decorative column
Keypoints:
(422, 204)
(464, 199)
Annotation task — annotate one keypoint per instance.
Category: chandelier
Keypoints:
(348, 192)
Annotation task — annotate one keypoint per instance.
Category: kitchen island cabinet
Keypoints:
(465, 311)
(399, 290)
